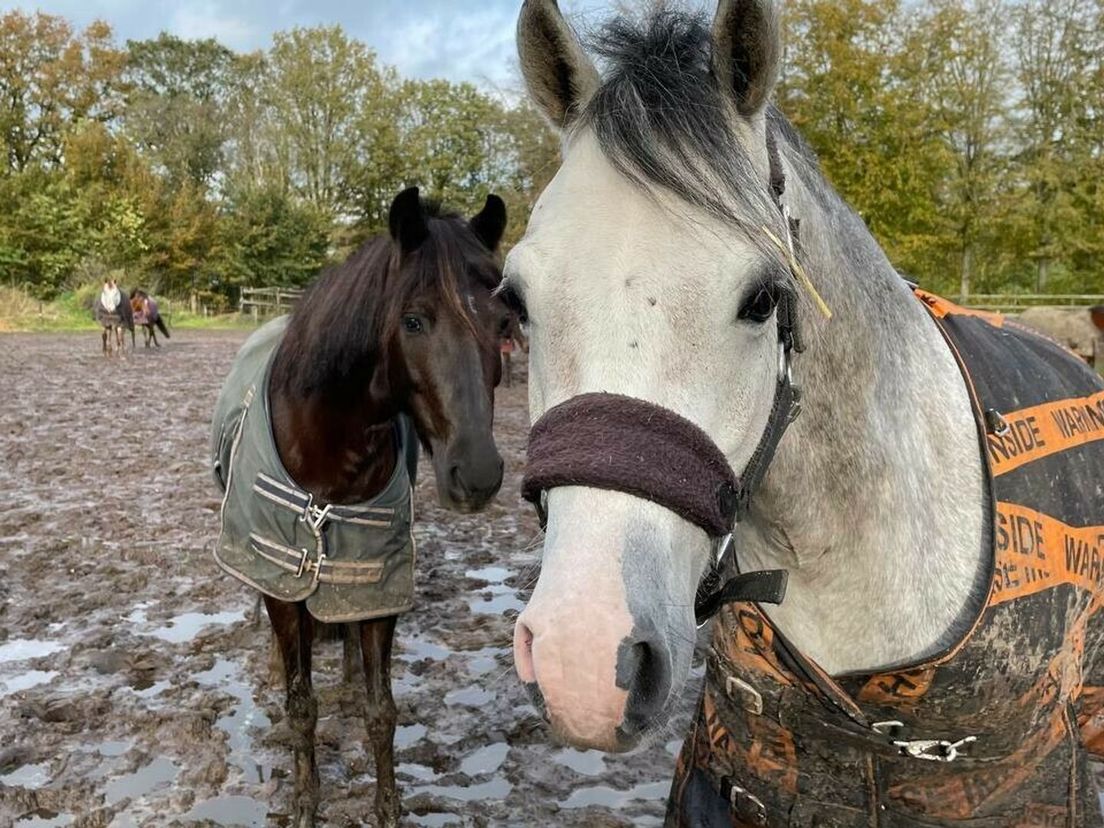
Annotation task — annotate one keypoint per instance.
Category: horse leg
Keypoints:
(104, 337)
(350, 652)
(375, 644)
(294, 632)
(152, 337)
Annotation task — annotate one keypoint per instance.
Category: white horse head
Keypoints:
(664, 293)
(651, 269)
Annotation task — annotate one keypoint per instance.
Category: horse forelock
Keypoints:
(341, 325)
(663, 121)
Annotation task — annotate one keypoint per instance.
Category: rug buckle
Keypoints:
(303, 563)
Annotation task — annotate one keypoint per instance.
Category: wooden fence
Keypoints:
(1017, 302)
(266, 302)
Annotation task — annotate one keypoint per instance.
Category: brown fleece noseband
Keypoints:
(624, 444)
(610, 441)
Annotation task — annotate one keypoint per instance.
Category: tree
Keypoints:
(320, 85)
(51, 80)
(849, 85)
(177, 105)
(267, 237)
(1056, 45)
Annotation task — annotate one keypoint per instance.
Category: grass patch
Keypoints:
(20, 312)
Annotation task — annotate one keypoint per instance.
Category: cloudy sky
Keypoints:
(458, 39)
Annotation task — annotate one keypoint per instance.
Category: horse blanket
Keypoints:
(118, 316)
(995, 731)
(348, 562)
(145, 311)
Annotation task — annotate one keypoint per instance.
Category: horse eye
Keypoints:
(504, 326)
(412, 324)
(760, 306)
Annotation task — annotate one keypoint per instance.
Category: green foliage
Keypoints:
(267, 237)
(968, 135)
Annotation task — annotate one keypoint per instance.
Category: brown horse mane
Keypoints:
(340, 328)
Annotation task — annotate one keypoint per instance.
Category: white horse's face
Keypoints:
(645, 297)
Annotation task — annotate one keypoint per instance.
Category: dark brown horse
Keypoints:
(147, 317)
(407, 328)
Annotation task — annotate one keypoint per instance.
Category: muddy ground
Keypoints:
(134, 679)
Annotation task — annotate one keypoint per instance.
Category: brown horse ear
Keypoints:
(490, 222)
(407, 220)
(747, 50)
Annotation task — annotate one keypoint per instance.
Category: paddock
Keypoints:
(134, 678)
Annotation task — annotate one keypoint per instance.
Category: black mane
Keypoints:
(340, 326)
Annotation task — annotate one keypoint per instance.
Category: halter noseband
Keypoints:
(619, 443)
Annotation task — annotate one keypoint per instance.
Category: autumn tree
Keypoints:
(176, 110)
(50, 80)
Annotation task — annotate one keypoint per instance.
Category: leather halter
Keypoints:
(614, 442)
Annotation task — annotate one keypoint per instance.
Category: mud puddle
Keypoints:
(140, 685)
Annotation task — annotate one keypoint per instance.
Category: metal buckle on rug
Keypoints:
(316, 566)
(747, 805)
(931, 750)
(304, 563)
(314, 516)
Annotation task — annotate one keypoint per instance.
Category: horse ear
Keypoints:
(489, 223)
(558, 74)
(407, 220)
(747, 50)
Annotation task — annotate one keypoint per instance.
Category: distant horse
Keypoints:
(315, 445)
(904, 581)
(147, 316)
(112, 310)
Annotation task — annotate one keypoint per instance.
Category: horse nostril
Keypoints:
(523, 653)
(644, 669)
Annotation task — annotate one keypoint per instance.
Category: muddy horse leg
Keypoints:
(350, 652)
(294, 632)
(380, 716)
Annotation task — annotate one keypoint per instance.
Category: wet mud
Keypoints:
(135, 680)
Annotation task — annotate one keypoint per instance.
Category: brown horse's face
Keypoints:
(446, 345)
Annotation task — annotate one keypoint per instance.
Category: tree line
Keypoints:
(969, 136)
(192, 168)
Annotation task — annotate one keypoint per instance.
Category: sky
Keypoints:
(470, 40)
